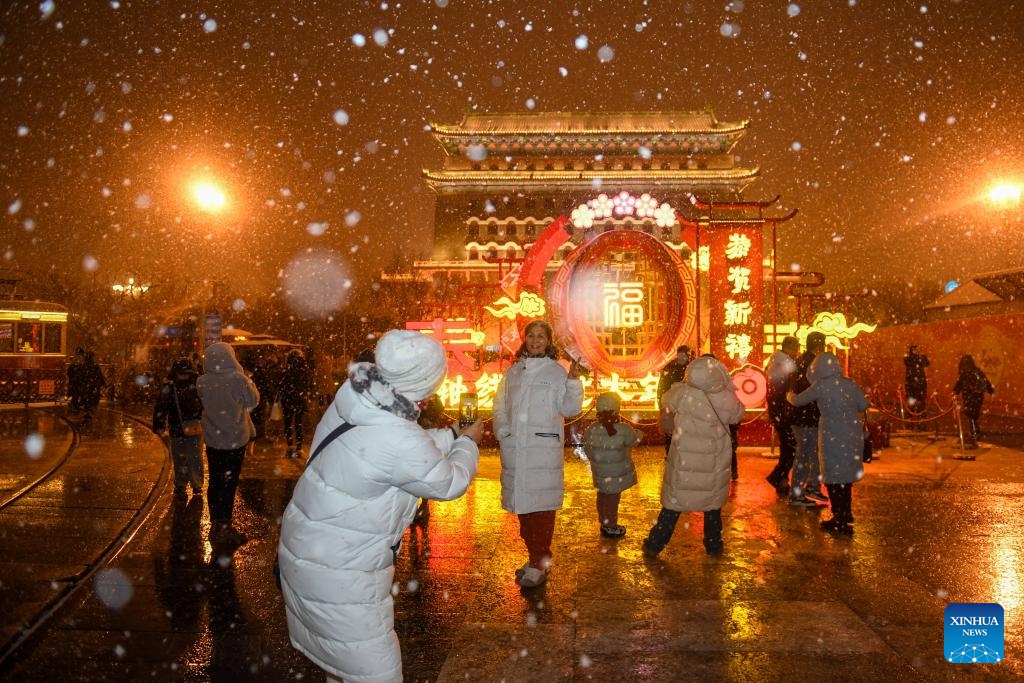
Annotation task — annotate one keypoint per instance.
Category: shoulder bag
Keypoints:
(188, 427)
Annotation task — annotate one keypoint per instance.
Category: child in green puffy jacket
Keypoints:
(608, 444)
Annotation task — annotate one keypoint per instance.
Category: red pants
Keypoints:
(537, 529)
(608, 508)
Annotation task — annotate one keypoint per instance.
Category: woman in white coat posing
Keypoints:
(699, 465)
(350, 508)
(534, 397)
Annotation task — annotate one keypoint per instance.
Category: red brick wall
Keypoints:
(996, 342)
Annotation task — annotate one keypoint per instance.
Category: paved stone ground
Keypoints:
(784, 600)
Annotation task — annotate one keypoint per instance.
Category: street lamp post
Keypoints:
(211, 199)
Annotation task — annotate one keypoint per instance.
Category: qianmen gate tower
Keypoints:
(600, 223)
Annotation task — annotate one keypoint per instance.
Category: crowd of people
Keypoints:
(384, 448)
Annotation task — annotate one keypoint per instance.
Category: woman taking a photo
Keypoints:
(342, 529)
(533, 400)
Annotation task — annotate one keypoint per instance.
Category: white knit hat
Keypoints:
(411, 362)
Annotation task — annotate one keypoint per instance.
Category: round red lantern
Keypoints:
(622, 302)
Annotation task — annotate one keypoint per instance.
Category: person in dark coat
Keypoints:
(672, 373)
(296, 389)
(178, 402)
(805, 488)
(781, 366)
(76, 381)
(267, 378)
(93, 382)
(916, 381)
(840, 402)
(971, 386)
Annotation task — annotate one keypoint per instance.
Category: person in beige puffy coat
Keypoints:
(699, 466)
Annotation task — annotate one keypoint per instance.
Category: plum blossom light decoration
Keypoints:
(665, 216)
(622, 204)
(583, 216)
(646, 206)
(625, 204)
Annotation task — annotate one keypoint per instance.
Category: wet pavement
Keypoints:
(784, 600)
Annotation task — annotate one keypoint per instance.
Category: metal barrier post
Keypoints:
(960, 432)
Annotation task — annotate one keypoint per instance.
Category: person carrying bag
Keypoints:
(177, 411)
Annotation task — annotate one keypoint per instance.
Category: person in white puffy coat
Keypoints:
(531, 404)
(353, 503)
(699, 466)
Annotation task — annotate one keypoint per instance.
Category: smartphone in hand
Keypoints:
(467, 409)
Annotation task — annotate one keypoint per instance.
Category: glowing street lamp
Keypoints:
(131, 289)
(209, 197)
(1005, 196)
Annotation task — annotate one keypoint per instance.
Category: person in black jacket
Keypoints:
(296, 388)
(971, 385)
(92, 383)
(780, 368)
(673, 372)
(806, 484)
(915, 382)
(177, 403)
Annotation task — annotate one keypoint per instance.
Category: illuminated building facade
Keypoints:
(627, 231)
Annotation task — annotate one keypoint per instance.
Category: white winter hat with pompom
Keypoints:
(411, 362)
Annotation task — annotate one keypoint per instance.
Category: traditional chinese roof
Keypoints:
(565, 133)
(733, 178)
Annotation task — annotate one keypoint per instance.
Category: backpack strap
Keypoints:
(335, 433)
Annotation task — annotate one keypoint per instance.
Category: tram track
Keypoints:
(41, 477)
(65, 588)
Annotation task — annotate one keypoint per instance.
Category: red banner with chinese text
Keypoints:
(736, 279)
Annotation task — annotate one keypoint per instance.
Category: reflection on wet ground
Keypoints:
(785, 599)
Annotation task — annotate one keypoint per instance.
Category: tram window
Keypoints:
(30, 338)
(51, 337)
(6, 337)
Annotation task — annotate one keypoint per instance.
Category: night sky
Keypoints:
(883, 122)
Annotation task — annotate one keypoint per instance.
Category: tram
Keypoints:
(33, 351)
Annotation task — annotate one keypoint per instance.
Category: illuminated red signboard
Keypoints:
(736, 280)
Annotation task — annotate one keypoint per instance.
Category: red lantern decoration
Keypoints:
(623, 302)
(750, 385)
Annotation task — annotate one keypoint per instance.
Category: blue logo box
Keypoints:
(973, 633)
